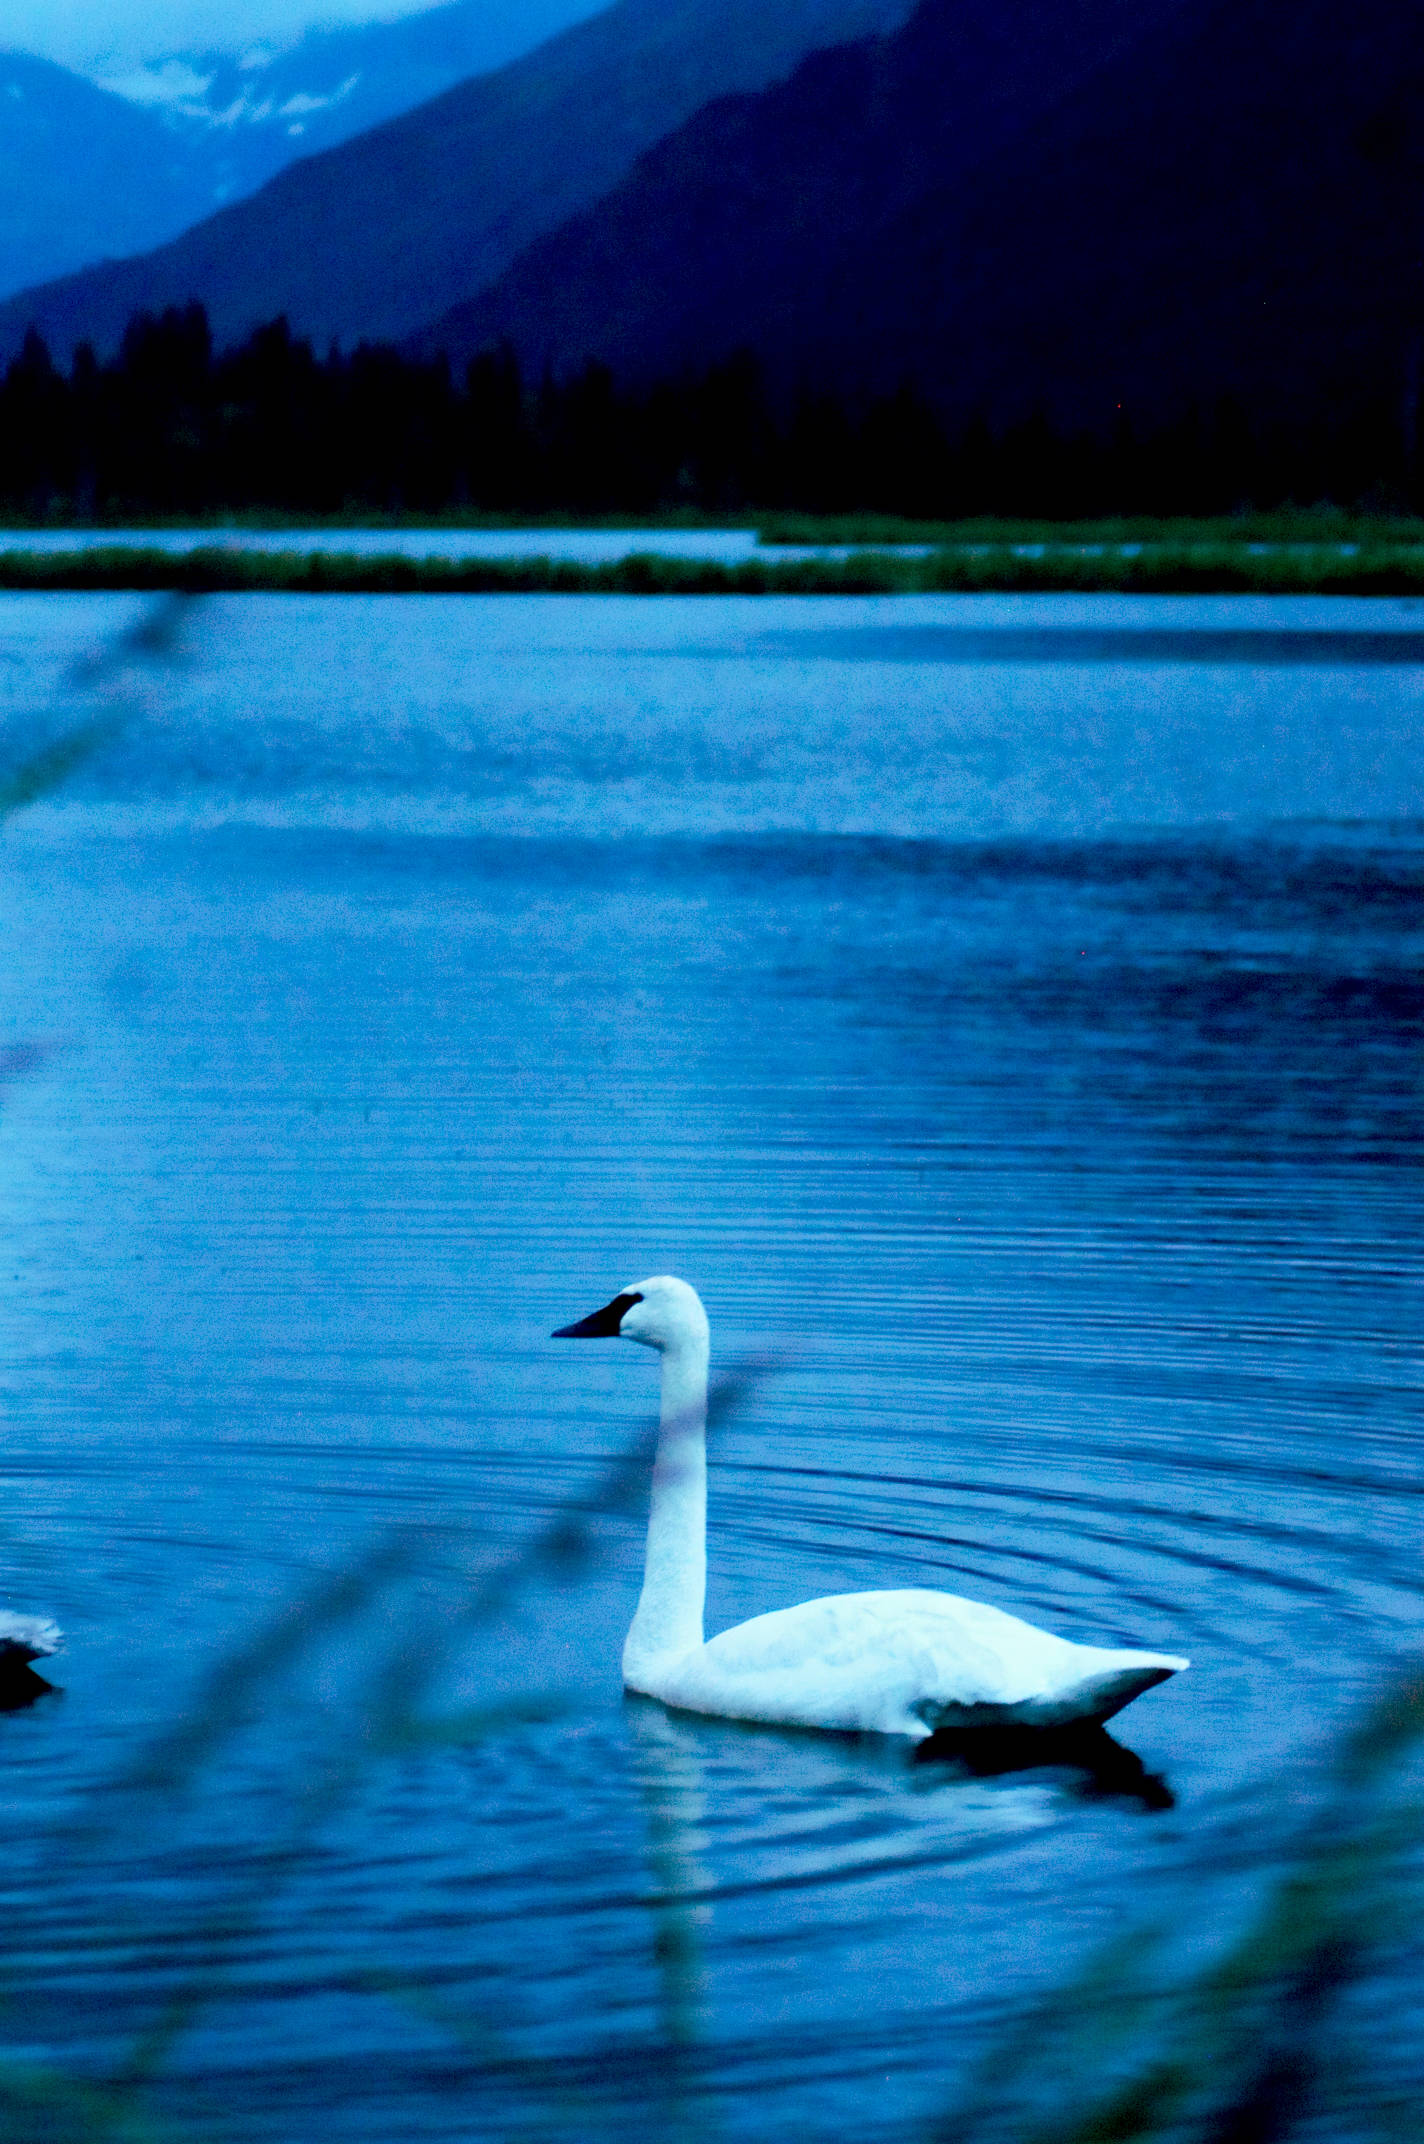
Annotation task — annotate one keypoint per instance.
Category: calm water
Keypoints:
(589, 546)
(1008, 1013)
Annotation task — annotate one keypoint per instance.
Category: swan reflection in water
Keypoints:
(20, 1687)
(1087, 1761)
(927, 1800)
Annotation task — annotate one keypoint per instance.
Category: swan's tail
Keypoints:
(1098, 1696)
(24, 1638)
(1107, 1683)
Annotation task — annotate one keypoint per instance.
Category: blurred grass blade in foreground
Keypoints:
(396, 1596)
(115, 673)
(1269, 2038)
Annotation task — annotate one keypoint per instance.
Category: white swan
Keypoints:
(24, 1638)
(902, 1663)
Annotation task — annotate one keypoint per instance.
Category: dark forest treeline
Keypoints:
(171, 427)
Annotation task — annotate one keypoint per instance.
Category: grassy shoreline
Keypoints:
(774, 525)
(1146, 568)
(1278, 525)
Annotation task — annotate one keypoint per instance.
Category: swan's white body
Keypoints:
(24, 1638)
(903, 1663)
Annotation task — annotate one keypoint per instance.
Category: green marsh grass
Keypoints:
(777, 526)
(1216, 567)
(1278, 525)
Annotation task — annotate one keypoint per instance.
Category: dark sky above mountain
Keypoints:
(1028, 204)
(381, 234)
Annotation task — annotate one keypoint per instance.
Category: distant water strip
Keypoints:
(1116, 643)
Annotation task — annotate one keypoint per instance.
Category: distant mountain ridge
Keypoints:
(95, 172)
(376, 237)
(755, 224)
(1077, 211)
(84, 174)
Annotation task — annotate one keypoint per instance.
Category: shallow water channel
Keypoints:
(1008, 1012)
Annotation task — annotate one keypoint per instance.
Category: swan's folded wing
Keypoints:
(882, 1661)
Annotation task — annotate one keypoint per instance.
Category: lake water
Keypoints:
(589, 547)
(1008, 1012)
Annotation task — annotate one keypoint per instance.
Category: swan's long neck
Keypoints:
(669, 1618)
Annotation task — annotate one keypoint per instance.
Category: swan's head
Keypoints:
(661, 1312)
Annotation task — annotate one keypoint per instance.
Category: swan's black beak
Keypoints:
(603, 1325)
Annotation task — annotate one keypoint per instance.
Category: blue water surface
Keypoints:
(1007, 1011)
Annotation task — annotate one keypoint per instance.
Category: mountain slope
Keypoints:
(375, 237)
(741, 226)
(84, 174)
(1221, 195)
(1240, 211)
